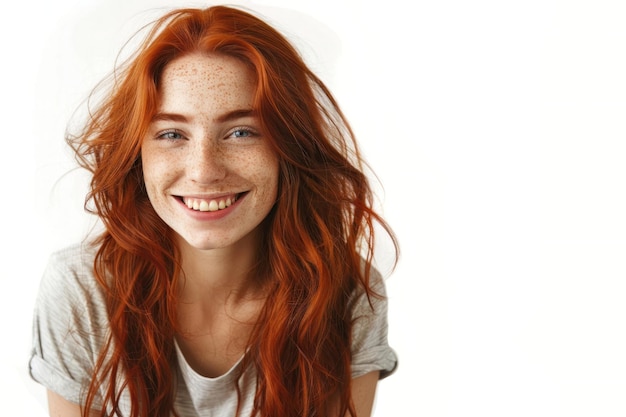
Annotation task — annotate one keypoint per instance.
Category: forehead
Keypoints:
(206, 78)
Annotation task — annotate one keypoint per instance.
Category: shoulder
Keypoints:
(370, 348)
(70, 270)
(68, 290)
(77, 259)
(366, 302)
(69, 322)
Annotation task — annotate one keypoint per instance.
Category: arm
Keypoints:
(60, 407)
(363, 392)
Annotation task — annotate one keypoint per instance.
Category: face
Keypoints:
(209, 172)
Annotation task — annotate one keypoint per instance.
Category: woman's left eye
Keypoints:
(242, 132)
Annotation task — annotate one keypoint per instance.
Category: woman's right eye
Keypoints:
(170, 135)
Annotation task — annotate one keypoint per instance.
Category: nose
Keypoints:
(205, 162)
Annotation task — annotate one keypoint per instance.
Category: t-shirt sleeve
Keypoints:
(370, 348)
(67, 326)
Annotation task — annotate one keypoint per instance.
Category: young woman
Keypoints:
(234, 275)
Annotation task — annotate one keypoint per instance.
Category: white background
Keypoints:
(497, 129)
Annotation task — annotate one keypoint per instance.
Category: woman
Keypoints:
(234, 274)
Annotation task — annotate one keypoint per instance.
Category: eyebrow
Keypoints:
(226, 117)
(236, 114)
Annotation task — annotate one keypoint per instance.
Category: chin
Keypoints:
(204, 245)
(213, 242)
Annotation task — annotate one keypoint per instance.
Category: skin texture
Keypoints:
(205, 147)
(205, 144)
(192, 151)
(60, 407)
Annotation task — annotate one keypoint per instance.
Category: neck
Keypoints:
(219, 276)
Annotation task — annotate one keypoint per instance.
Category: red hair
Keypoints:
(319, 236)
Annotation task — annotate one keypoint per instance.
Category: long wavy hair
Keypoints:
(319, 237)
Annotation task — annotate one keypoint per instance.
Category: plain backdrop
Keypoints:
(497, 129)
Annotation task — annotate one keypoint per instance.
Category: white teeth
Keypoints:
(208, 205)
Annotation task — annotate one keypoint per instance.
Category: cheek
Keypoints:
(155, 171)
(268, 173)
(147, 166)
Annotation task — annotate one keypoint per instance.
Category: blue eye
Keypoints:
(170, 135)
(242, 133)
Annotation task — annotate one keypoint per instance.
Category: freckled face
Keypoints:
(209, 172)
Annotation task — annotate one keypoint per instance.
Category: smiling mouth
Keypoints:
(202, 204)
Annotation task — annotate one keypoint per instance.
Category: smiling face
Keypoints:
(209, 172)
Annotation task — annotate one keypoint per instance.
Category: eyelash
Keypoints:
(250, 132)
(165, 134)
(162, 135)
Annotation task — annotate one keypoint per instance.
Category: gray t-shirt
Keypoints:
(70, 326)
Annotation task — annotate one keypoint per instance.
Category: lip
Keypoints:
(210, 215)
